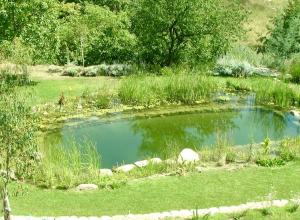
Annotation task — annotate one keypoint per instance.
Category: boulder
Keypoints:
(87, 187)
(126, 168)
(188, 156)
(296, 114)
(141, 163)
(155, 160)
(105, 172)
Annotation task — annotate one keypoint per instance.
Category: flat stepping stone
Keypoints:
(87, 187)
(126, 168)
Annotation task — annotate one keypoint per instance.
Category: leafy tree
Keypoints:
(34, 23)
(283, 38)
(18, 149)
(96, 35)
(172, 31)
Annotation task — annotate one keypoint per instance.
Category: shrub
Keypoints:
(232, 67)
(72, 71)
(293, 68)
(14, 76)
(283, 39)
(103, 101)
(270, 162)
(115, 69)
(289, 149)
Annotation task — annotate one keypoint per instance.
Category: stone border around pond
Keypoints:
(182, 214)
(186, 156)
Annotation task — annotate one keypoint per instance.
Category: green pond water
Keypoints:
(126, 140)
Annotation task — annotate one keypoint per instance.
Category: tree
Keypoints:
(18, 149)
(96, 35)
(172, 31)
(283, 38)
(33, 24)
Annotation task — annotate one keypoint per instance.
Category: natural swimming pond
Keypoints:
(126, 140)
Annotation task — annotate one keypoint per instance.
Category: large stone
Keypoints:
(87, 187)
(296, 114)
(126, 168)
(105, 172)
(155, 160)
(188, 156)
(142, 163)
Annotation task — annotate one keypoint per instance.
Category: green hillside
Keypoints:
(261, 13)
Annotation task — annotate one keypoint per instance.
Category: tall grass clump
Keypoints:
(175, 88)
(65, 166)
(293, 68)
(267, 91)
(11, 77)
(278, 93)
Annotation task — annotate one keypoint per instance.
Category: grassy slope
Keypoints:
(261, 12)
(214, 188)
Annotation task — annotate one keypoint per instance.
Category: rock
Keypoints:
(155, 160)
(126, 168)
(105, 172)
(142, 163)
(200, 169)
(188, 156)
(296, 114)
(87, 187)
(222, 160)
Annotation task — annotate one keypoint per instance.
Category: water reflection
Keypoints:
(128, 140)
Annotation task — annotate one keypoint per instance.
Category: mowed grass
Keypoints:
(50, 90)
(198, 190)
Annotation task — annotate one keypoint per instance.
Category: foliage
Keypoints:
(95, 35)
(235, 68)
(18, 148)
(176, 31)
(153, 90)
(145, 195)
(293, 68)
(11, 77)
(65, 166)
(33, 24)
(283, 39)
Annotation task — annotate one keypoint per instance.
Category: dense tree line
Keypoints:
(159, 32)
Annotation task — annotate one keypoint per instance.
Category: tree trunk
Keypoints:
(6, 205)
(82, 50)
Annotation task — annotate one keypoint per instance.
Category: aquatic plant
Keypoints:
(64, 166)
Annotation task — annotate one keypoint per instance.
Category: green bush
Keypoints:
(103, 101)
(283, 39)
(232, 67)
(293, 68)
(270, 162)
(11, 77)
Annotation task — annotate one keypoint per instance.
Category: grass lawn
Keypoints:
(49, 90)
(199, 190)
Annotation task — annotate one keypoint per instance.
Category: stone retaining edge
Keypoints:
(176, 213)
